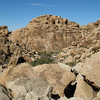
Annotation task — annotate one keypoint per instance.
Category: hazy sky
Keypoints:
(17, 13)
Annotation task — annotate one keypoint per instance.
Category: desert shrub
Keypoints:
(45, 58)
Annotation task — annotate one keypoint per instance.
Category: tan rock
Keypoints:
(30, 89)
(91, 69)
(4, 93)
(12, 73)
(73, 98)
(63, 98)
(46, 33)
(69, 59)
(83, 90)
(98, 94)
(56, 75)
(4, 30)
(67, 67)
(96, 98)
(78, 67)
(76, 98)
(3, 45)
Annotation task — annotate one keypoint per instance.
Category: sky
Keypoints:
(18, 13)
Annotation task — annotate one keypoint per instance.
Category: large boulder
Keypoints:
(30, 89)
(83, 90)
(58, 76)
(12, 73)
(91, 69)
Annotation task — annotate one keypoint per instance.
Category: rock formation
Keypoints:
(13, 73)
(91, 69)
(30, 89)
(46, 33)
(69, 54)
(56, 75)
(3, 44)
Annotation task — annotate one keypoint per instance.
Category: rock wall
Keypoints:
(46, 33)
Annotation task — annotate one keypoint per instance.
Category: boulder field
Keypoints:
(51, 58)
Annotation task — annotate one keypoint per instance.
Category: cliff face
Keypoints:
(47, 33)
(52, 33)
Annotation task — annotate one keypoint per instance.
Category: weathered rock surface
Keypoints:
(91, 69)
(83, 90)
(4, 94)
(56, 75)
(65, 66)
(3, 44)
(30, 89)
(73, 98)
(12, 73)
(78, 67)
(52, 33)
(76, 98)
(46, 33)
(98, 96)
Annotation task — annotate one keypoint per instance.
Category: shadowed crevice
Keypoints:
(20, 60)
(69, 90)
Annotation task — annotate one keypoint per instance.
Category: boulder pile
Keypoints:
(51, 58)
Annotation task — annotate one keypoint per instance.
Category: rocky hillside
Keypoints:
(66, 57)
(46, 33)
(53, 34)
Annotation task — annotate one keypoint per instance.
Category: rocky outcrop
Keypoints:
(46, 33)
(3, 44)
(57, 76)
(91, 69)
(83, 90)
(30, 89)
(13, 73)
(52, 33)
(67, 43)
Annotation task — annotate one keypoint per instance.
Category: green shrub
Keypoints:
(42, 61)
(45, 58)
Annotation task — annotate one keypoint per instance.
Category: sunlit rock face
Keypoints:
(47, 33)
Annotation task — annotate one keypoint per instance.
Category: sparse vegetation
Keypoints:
(45, 58)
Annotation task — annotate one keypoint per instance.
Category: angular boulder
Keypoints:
(59, 77)
(83, 90)
(30, 89)
(91, 69)
(13, 73)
